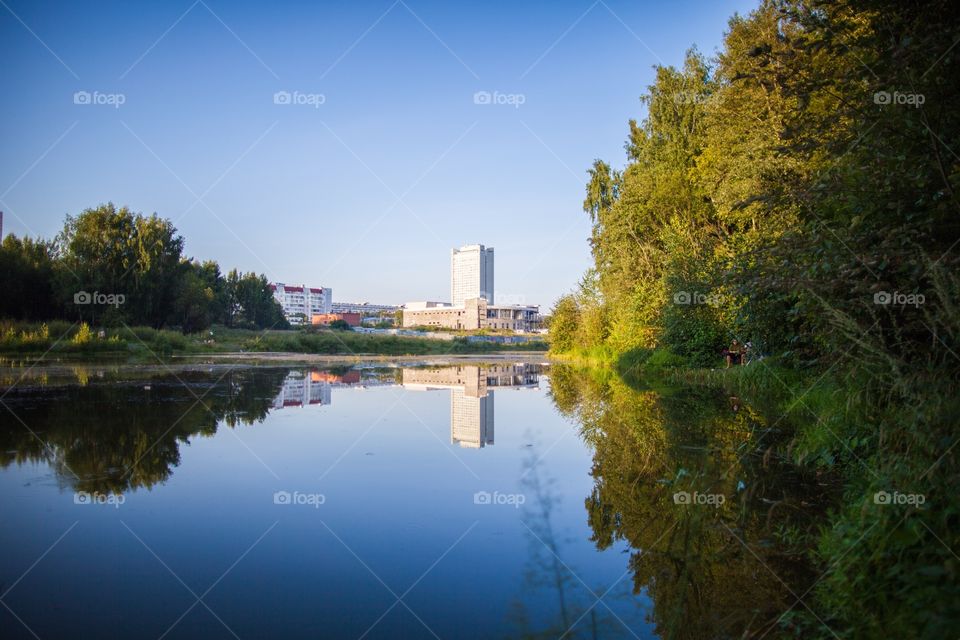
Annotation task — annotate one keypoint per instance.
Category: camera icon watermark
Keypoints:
(86, 497)
(691, 97)
(298, 498)
(696, 298)
(507, 299)
(112, 299)
(115, 100)
(897, 498)
(497, 498)
(298, 98)
(898, 298)
(883, 98)
(697, 498)
(496, 98)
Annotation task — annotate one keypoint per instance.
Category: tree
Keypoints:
(250, 302)
(28, 279)
(117, 252)
(564, 325)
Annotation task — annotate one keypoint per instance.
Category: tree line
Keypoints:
(110, 266)
(798, 190)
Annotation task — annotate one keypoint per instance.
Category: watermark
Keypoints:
(898, 298)
(298, 498)
(691, 97)
(485, 497)
(517, 299)
(697, 498)
(299, 98)
(697, 297)
(495, 97)
(85, 497)
(896, 97)
(85, 297)
(114, 100)
(895, 497)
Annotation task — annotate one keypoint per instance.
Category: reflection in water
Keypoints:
(558, 602)
(696, 488)
(303, 388)
(111, 431)
(703, 492)
(314, 386)
(471, 395)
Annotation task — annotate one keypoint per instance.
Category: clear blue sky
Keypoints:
(367, 192)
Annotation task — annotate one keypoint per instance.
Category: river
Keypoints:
(514, 500)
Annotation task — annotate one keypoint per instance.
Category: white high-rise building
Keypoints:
(301, 303)
(471, 274)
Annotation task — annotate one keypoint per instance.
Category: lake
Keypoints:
(504, 501)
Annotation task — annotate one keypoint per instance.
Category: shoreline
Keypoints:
(284, 357)
(22, 372)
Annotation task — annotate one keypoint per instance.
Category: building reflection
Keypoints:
(305, 387)
(471, 395)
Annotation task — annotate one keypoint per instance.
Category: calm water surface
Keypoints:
(460, 502)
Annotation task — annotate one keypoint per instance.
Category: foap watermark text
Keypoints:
(95, 497)
(513, 499)
(298, 98)
(495, 97)
(697, 498)
(898, 298)
(915, 100)
(299, 498)
(115, 100)
(85, 297)
(895, 497)
(696, 297)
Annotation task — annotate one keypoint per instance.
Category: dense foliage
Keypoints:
(113, 267)
(799, 191)
(773, 193)
(727, 569)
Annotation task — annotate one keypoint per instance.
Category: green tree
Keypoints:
(28, 279)
(564, 325)
(115, 251)
(340, 325)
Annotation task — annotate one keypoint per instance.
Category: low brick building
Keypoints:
(474, 314)
(324, 319)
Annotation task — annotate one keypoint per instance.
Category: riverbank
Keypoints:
(57, 371)
(894, 527)
(144, 344)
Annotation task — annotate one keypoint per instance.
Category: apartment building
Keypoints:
(301, 303)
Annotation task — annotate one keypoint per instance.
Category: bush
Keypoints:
(340, 325)
(665, 359)
(83, 335)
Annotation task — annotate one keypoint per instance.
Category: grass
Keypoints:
(889, 570)
(139, 343)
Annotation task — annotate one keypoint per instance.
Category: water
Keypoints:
(460, 502)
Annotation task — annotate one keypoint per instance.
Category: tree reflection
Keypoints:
(698, 485)
(122, 435)
(565, 604)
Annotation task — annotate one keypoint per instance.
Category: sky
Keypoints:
(347, 145)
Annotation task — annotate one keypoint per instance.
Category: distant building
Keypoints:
(364, 308)
(473, 314)
(352, 319)
(471, 273)
(301, 303)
